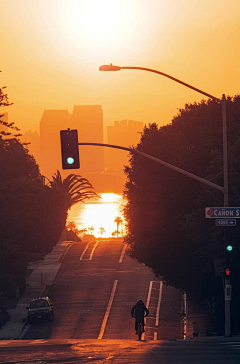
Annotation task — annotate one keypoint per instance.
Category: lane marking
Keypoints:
(149, 293)
(93, 250)
(123, 252)
(85, 250)
(159, 302)
(148, 300)
(100, 336)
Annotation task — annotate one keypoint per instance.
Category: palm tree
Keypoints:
(72, 189)
(83, 231)
(91, 229)
(118, 221)
(102, 230)
(71, 225)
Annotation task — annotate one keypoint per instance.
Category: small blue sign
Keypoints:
(222, 212)
(225, 222)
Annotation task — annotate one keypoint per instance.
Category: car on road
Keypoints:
(40, 309)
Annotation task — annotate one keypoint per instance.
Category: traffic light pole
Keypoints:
(168, 165)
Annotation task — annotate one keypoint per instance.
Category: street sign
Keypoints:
(225, 222)
(222, 212)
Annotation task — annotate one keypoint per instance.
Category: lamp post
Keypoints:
(111, 67)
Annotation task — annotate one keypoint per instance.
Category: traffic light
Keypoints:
(69, 149)
(227, 272)
(229, 247)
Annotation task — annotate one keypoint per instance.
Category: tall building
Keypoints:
(88, 120)
(125, 133)
(51, 123)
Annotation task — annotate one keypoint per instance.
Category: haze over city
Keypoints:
(52, 50)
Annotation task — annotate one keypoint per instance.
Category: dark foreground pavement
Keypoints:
(120, 351)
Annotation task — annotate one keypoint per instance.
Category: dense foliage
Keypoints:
(167, 229)
(33, 214)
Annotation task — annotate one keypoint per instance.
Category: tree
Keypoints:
(33, 215)
(16, 162)
(72, 189)
(72, 226)
(91, 229)
(4, 102)
(102, 230)
(118, 221)
(167, 229)
(83, 231)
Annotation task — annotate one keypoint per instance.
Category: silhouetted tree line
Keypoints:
(32, 214)
(167, 228)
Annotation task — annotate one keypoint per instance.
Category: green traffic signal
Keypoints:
(70, 160)
(69, 149)
(229, 248)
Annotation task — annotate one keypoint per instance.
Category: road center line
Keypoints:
(159, 302)
(100, 336)
(93, 250)
(85, 250)
(123, 252)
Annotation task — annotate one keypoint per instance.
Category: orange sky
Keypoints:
(51, 52)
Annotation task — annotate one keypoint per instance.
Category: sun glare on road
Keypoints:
(99, 217)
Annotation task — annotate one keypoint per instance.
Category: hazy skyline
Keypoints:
(52, 50)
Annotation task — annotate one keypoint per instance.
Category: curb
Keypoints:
(61, 258)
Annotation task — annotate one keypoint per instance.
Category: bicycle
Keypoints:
(140, 331)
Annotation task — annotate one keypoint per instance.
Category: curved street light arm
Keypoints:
(174, 79)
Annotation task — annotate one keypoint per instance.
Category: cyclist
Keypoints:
(139, 311)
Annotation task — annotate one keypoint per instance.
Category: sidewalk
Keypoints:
(41, 278)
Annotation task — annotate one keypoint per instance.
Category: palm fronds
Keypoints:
(72, 189)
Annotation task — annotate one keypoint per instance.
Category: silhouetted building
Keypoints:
(125, 133)
(51, 123)
(88, 120)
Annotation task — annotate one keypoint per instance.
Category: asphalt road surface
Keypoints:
(93, 294)
(119, 352)
(94, 291)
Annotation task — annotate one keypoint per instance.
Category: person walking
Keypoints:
(195, 328)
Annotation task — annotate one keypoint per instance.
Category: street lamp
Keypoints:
(111, 67)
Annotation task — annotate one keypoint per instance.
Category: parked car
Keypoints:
(40, 309)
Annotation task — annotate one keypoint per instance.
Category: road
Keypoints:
(119, 352)
(94, 291)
